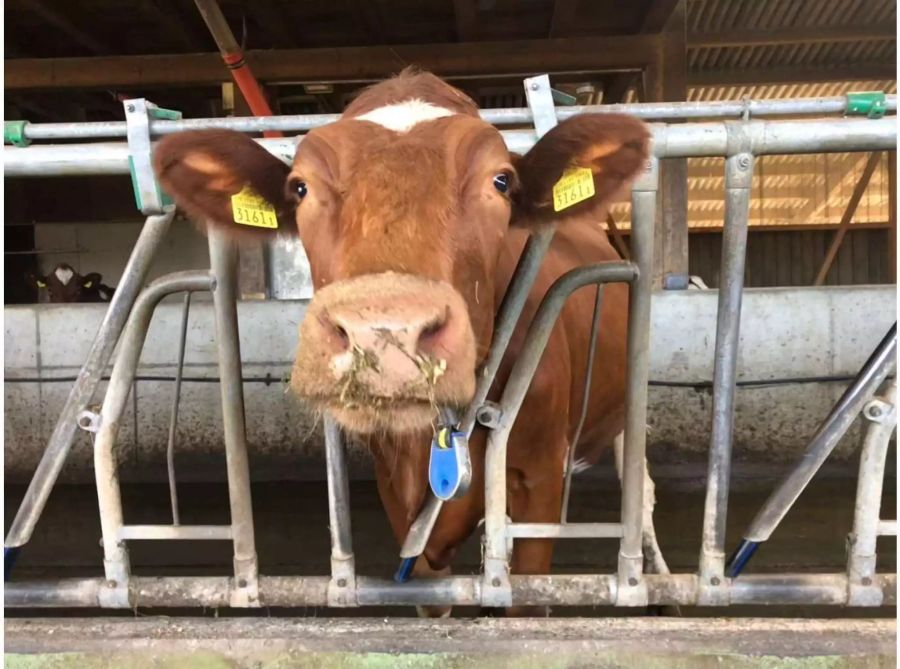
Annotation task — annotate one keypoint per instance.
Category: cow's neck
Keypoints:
(401, 465)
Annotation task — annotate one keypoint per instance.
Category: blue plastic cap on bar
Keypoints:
(405, 570)
(9, 561)
(740, 558)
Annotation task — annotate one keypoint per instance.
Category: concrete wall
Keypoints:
(787, 334)
(105, 247)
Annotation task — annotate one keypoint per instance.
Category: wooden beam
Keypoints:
(658, 14)
(847, 218)
(562, 22)
(356, 64)
(465, 14)
(793, 75)
(65, 26)
(618, 239)
(892, 215)
(665, 80)
(817, 35)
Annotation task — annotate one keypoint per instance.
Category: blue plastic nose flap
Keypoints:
(450, 467)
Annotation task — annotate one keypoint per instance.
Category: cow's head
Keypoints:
(402, 206)
(65, 285)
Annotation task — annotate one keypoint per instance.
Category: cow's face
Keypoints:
(402, 209)
(64, 284)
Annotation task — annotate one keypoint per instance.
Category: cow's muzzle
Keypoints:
(383, 351)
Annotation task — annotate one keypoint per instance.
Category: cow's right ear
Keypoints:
(203, 169)
(33, 279)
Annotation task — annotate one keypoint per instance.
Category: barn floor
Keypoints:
(280, 643)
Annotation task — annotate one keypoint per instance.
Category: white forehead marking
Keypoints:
(64, 275)
(402, 116)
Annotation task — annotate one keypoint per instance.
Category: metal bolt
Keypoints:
(715, 580)
(130, 108)
(535, 85)
(495, 582)
(632, 581)
(744, 162)
(867, 581)
(342, 582)
(111, 584)
(242, 583)
(875, 411)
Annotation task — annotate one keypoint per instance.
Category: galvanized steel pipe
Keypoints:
(674, 141)
(648, 111)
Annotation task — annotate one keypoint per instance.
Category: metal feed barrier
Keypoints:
(739, 140)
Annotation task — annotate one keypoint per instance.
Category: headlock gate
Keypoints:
(739, 141)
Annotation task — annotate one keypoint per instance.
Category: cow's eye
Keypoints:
(300, 189)
(501, 182)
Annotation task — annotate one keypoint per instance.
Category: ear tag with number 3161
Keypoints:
(250, 208)
(574, 186)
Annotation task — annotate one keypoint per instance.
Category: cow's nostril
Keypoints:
(431, 334)
(342, 334)
(337, 334)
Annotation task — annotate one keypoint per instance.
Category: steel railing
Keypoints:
(738, 141)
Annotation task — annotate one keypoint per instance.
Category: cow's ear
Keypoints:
(579, 167)
(91, 280)
(35, 280)
(203, 170)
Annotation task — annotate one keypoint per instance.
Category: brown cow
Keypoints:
(413, 214)
(65, 285)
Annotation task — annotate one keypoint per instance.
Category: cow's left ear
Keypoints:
(91, 280)
(35, 280)
(579, 167)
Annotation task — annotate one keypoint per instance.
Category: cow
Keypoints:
(413, 214)
(65, 285)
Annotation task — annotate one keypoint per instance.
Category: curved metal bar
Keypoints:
(107, 336)
(115, 557)
(514, 392)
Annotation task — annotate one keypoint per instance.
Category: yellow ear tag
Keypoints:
(88, 284)
(41, 284)
(251, 209)
(574, 186)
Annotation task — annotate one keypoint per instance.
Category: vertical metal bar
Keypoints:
(632, 590)
(223, 257)
(881, 414)
(585, 399)
(342, 589)
(173, 420)
(738, 180)
(54, 457)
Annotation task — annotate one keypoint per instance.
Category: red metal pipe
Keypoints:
(233, 57)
